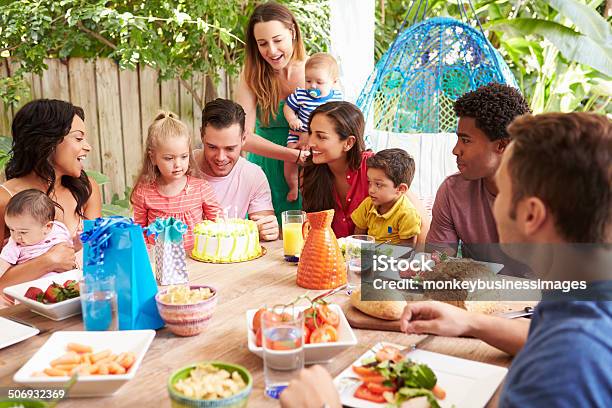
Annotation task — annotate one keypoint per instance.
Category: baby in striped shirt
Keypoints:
(165, 186)
(321, 72)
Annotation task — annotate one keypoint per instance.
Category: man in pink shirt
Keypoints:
(241, 186)
(463, 207)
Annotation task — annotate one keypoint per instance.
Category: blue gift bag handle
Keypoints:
(98, 237)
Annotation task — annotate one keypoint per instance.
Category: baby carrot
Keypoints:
(53, 372)
(99, 356)
(86, 358)
(79, 348)
(128, 360)
(68, 358)
(65, 367)
(115, 368)
(438, 392)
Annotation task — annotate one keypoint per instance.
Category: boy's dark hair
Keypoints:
(565, 160)
(493, 107)
(33, 202)
(396, 163)
(222, 113)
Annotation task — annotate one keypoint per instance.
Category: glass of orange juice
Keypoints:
(293, 240)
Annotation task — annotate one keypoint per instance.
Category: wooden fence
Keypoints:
(119, 106)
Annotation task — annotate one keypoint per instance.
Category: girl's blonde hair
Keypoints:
(165, 126)
(258, 74)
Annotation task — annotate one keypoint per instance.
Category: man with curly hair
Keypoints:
(462, 210)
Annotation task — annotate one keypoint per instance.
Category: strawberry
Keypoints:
(71, 285)
(54, 293)
(33, 293)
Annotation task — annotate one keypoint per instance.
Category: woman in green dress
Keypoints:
(274, 68)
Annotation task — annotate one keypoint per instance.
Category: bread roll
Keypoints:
(382, 309)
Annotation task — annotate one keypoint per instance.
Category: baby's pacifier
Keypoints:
(314, 93)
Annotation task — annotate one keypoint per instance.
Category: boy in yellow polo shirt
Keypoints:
(387, 214)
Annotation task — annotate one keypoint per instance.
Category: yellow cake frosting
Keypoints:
(232, 240)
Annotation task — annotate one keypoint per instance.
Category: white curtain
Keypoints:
(352, 42)
(432, 153)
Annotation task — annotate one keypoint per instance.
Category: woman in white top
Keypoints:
(49, 147)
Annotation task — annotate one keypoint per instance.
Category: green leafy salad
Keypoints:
(389, 377)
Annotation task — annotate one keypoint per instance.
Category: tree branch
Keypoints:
(96, 36)
(10, 48)
(193, 93)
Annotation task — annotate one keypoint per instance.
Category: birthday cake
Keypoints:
(233, 240)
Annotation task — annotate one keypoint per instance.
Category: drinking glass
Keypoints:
(99, 303)
(293, 240)
(282, 339)
(356, 247)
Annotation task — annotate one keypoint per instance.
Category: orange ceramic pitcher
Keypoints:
(321, 265)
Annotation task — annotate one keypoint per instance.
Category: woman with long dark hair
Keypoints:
(49, 147)
(334, 176)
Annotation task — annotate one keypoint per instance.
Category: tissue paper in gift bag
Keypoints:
(170, 264)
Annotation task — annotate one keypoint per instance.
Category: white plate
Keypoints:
(468, 384)
(54, 311)
(12, 332)
(313, 353)
(136, 341)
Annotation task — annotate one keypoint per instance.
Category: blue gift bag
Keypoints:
(115, 246)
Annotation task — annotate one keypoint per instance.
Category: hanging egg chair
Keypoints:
(411, 92)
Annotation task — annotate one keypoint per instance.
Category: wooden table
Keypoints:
(241, 286)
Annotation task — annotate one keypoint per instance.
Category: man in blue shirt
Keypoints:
(555, 192)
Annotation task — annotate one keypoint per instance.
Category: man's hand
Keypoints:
(312, 389)
(267, 225)
(295, 124)
(437, 318)
(61, 258)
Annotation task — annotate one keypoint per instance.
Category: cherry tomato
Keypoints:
(377, 388)
(324, 334)
(284, 344)
(286, 317)
(258, 337)
(307, 333)
(364, 393)
(257, 319)
(388, 353)
(328, 316)
(364, 371)
(311, 317)
(376, 378)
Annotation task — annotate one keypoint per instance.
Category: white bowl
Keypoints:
(313, 353)
(54, 311)
(136, 341)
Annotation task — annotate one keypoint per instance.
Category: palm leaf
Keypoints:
(587, 20)
(573, 45)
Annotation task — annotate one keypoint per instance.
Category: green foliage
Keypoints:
(560, 51)
(117, 206)
(5, 149)
(178, 38)
(100, 178)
